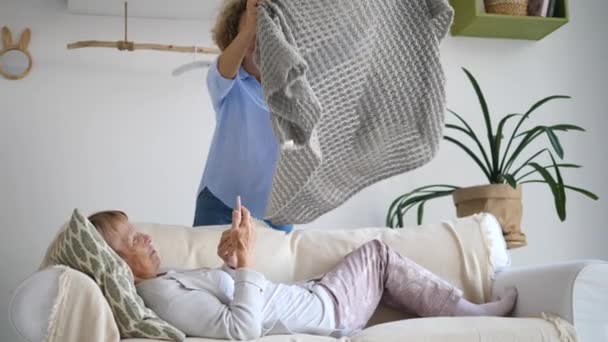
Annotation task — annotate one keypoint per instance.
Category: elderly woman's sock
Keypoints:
(501, 307)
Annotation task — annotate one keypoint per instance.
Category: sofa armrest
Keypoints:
(59, 304)
(575, 291)
(32, 304)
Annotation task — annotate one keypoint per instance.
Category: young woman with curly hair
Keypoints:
(244, 151)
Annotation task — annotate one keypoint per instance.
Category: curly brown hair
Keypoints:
(227, 25)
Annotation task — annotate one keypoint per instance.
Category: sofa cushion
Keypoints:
(441, 329)
(274, 338)
(466, 329)
(81, 247)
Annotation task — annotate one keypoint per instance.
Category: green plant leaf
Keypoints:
(521, 121)
(583, 191)
(499, 138)
(530, 137)
(529, 160)
(391, 211)
(458, 128)
(474, 136)
(471, 154)
(393, 205)
(391, 216)
(579, 190)
(396, 212)
(566, 128)
(553, 185)
(405, 207)
(419, 199)
(553, 139)
(486, 116)
(545, 100)
(414, 199)
(420, 212)
(510, 180)
(570, 166)
(562, 128)
(557, 146)
(562, 191)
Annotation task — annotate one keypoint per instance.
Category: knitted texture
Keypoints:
(356, 94)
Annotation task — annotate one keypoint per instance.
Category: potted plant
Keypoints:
(503, 164)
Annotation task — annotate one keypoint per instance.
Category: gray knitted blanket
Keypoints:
(356, 94)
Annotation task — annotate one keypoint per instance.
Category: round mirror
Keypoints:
(15, 64)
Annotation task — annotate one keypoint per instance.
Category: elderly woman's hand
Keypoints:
(244, 238)
(237, 244)
(225, 249)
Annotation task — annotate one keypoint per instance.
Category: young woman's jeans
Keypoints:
(211, 211)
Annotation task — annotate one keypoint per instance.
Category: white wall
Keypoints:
(99, 129)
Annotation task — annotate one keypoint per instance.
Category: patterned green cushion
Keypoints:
(81, 247)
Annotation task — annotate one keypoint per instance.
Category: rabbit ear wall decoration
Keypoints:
(15, 59)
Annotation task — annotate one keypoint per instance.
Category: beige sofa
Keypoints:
(555, 303)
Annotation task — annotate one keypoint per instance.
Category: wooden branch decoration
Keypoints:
(131, 46)
(123, 45)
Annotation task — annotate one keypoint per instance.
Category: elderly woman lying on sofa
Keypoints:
(236, 302)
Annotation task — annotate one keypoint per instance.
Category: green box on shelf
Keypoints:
(472, 20)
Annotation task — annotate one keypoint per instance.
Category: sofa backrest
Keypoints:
(187, 247)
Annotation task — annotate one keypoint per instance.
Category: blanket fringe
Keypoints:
(64, 284)
(566, 331)
(488, 243)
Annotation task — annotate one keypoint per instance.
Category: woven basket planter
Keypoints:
(500, 200)
(508, 7)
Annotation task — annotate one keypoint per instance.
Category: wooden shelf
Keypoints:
(471, 20)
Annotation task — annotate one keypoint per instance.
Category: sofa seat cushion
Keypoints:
(275, 338)
(466, 329)
(441, 329)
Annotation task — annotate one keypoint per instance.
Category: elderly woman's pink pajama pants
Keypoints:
(375, 273)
